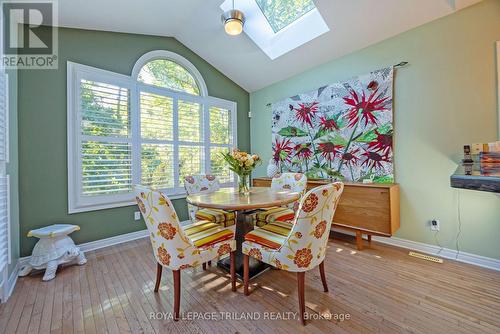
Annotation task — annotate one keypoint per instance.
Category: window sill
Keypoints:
(98, 207)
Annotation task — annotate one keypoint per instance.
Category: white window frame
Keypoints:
(76, 72)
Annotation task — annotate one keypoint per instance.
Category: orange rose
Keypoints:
(320, 229)
(167, 230)
(277, 264)
(310, 203)
(224, 249)
(298, 235)
(255, 253)
(303, 258)
(163, 256)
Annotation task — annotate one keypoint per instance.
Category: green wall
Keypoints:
(445, 98)
(42, 130)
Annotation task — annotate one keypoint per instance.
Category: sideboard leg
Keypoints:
(359, 240)
(370, 239)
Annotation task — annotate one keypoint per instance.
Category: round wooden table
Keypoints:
(229, 199)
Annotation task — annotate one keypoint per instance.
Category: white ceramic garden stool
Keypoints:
(55, 247)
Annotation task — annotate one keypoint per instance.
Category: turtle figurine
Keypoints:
(54, 248)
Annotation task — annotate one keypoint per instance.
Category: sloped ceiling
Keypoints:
(354, 24)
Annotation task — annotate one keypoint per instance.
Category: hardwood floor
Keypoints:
(382, 289)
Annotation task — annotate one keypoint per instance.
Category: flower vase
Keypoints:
(244, 184)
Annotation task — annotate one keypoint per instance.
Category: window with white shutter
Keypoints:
(5, 247)
(152, 128)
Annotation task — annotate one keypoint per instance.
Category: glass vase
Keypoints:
(244, 184)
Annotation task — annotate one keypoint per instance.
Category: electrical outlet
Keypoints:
(435, 225)
(137, 215)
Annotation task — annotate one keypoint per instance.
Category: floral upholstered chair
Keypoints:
(199, 184)
(289, 181)
(177, 247)
(302, 246)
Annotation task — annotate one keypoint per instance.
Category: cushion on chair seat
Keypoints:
(271, 235)
(278, 227)
(273, 214)
(205, 233)
(217, 216)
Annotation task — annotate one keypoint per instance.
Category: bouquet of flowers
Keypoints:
(242, 164)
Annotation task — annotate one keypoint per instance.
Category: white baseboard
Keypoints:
(13, 279)
(97, 244)
(478, 260)
(119, 239)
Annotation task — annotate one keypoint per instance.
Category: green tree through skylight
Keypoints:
(281, 13)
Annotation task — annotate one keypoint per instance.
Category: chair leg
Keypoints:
(177, 293)
(204, 266)
(245, 274)
(159, 269)
(233, 270)
(302, 303)
(323, 277)
(209, 263)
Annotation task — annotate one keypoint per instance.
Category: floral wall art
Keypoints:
(342, 131)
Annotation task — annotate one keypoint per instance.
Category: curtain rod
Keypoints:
(401, 64)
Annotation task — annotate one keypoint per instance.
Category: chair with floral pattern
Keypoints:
(177, 247)
(301, 247)
(199, 184)
(289, 181)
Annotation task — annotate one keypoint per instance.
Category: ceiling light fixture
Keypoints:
(233, 21)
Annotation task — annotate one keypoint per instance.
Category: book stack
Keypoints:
(488, 157)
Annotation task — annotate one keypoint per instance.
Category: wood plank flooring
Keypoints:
(381, 290)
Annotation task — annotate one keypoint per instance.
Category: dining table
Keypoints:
(245, 206)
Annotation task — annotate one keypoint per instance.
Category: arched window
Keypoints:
(169, 70)
(154, 128)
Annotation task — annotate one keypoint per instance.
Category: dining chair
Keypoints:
(204, 183)
(177, 247)
(289, 181)
(300, 246)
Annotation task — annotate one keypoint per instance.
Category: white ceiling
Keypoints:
(354, 24)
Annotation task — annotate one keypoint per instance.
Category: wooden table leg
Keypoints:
(369, 239)
(359, 240)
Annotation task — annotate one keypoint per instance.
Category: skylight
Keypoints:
(279, 26)
(281, 13)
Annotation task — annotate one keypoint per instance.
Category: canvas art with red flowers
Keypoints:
(343, 130)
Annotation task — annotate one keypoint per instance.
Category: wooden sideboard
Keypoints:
(371, 209)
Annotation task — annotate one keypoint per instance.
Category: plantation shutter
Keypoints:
(4, 186)
(221, 139)
(123, 132)
(105, 142)
(157, 140)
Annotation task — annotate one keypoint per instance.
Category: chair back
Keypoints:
(196, 184)
(171, 247)
(199, 184)
(305, 247)
(291, 181)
